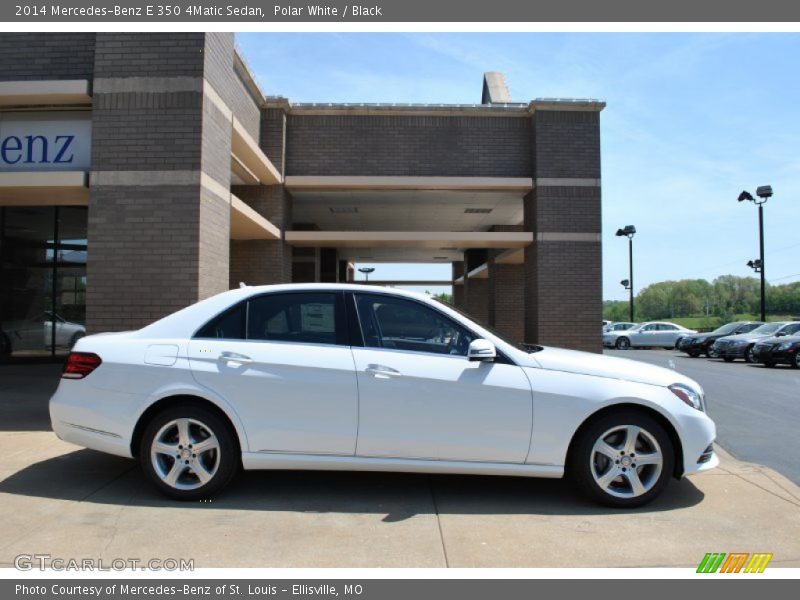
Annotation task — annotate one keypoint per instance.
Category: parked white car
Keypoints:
(654, 334)
(36, 333)
(348, 377)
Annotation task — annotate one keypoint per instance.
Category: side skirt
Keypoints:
(324, 462)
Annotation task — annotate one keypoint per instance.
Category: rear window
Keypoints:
(229, 325)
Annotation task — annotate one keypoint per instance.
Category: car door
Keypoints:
(667, 334)
(283, 361)
(419, 395)
(646, 336)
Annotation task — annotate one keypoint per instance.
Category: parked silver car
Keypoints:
(653, 334)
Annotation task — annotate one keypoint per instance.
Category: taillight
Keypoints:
(80, 364)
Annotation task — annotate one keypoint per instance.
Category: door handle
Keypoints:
(235, 357)
(382, 371)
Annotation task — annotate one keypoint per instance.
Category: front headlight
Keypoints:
(690, 396)
(785, 345)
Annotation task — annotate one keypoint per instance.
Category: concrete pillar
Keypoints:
(476, 291)
(157, 230)
(263, 262)
(563, 274)
(458, 289)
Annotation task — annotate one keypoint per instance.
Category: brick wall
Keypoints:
(30, 56)
(222, 76)
(143, 261)
(273, 136)
(149, 55)
(147, 131)
(507, 300)
(407, 145)
(566, 144)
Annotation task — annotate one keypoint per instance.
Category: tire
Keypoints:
(711, 353)
(220, 461)
(693, 353)
(748, 355)
(795, 364)
(727, 358)
(74, 339)
(622, 343)
(592, 469)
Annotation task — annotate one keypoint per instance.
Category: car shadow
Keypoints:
(88, 476)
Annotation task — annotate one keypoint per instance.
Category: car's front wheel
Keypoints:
(693, 353)
(189, 452)
(623, 343)
(624, 459)
(796, 362)
(749, 355)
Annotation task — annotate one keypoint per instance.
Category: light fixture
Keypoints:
(764, 193)
(343, 209)
(477, 211)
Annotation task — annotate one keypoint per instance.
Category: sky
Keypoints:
(691, 121)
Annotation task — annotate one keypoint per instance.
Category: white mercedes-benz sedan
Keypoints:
(350, 377)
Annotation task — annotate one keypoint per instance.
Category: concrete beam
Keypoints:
(413, 239)
(335, 182)
(247, 224)
(44, 188)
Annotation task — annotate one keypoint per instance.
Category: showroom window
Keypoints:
(399, 324)
(42, 280)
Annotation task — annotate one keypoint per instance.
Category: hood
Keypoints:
(745, 337)
(780, 339)
(599, 365)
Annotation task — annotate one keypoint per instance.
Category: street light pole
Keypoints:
(629, 231)
(630, 275)
(764, 193)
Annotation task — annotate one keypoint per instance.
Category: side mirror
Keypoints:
(481, 349)
(780, 334)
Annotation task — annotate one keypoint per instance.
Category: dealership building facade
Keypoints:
(142, 172)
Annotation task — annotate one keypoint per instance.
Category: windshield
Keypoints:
(767, 328)
(729, 328)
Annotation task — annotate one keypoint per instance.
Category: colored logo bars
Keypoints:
(735, 562)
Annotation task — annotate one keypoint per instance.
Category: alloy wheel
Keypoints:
(623, 343)
(185, 454)
(749, 355)
(626, 461)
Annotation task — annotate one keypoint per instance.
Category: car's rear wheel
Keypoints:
(796, 362)
(624, 459)
(75, 337)
(189, 452)
(749, 354)
(711, 353)
(623, 343)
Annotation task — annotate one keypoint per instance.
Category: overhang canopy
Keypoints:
(44, 188)
(43, 93)
(418, 239)
(247, 224)
(248, 161)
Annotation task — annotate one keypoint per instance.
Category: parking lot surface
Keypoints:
(72, 503)
(757, 409)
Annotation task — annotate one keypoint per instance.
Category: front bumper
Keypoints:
(729, 351)
(771, 355)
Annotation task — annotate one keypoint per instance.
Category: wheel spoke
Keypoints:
(631, 435)
(183, 432)
(164, 448)
(207, 444)
(606, 449)
(605, 480)
(202, 473)
(652, 458)
(636, 484)
(177, 469)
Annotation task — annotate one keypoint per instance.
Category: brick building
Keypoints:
(142, 172)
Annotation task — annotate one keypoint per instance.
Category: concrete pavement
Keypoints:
(72, 503)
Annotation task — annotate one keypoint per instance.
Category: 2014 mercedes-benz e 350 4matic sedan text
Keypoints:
(352, 377)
